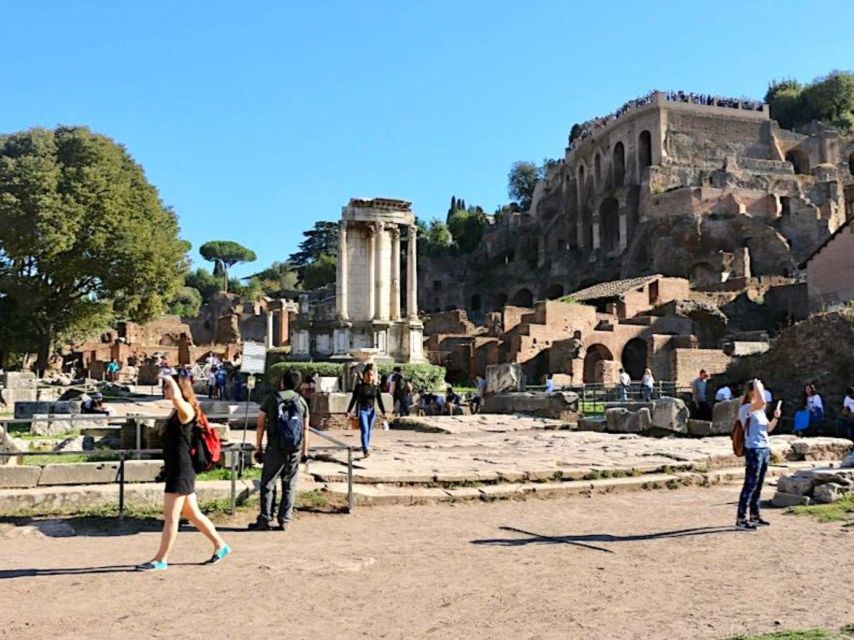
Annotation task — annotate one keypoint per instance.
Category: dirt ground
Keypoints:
(644, 565)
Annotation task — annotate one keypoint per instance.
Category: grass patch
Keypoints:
(591, 408)
(840, 511)
(224, 473)
(846, 633)
(48, 458)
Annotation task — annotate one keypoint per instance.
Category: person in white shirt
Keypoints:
(724, 393)
(815, 405)
(550, 383)
(769, 397)
(846, 419)
(625, 383)
(647, 385)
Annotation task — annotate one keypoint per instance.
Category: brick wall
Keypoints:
(686, 363)
(829, 272)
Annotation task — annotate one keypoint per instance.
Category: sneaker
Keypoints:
(759, 522)
(259, 525)
(282, 526)
(154, 565)
(367, 454)
(744, 525)
(219, 554)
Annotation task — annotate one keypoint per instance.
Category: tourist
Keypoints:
(647, 385)
(814, 405)
(165, 369)
(395, 388)
(112, 370)
(366, 395)
(221, 378)
(93, 404)
(479, 394)
(702, 411)
(180, 492)
(212, 381)
(625, 381)
(281, 459)
(846, 418)
(308, 388)
(724, 393)
(550, 383)
(757, 447)
(452, 401)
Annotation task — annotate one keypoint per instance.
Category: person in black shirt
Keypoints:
(366, 395)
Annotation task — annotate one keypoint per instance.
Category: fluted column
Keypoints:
(343, 284)
(412, 275)
(380, 310)
(372, 270)
(269, 339)
(395, 273)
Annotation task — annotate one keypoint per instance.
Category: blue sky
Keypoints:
(254, 121)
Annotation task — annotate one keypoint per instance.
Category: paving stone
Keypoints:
(17, 477)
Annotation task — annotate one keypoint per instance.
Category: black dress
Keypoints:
(180, 475)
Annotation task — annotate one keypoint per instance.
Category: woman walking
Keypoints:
(366, 395)
(180, 493)
(647, 384)
(756, 453)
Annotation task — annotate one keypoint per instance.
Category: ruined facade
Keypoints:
(708, 190)
(830, 270)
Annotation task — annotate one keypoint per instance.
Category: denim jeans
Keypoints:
(647, 393)
(366, 424)
(756, 461)
(279, 463)
(624, 392)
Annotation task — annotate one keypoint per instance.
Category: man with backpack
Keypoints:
(285, 418)
(401, 392)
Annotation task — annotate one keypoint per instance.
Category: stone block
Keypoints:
(700, 428)
(562, 405)
(28, 410)
(724, 415)
(800, 484)
(98, 472)
(8, 444)
(620, 420)
(783, 500)
(670, 414)
(828, 493)
(18, 379)
(501, 378)
(19, 477)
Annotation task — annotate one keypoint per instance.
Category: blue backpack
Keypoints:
(289, 424)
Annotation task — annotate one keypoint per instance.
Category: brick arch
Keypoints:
(524, 297)
(594, 358)
(618, 164)
(553, 291)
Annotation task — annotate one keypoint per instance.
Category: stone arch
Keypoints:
(644, 149)
(597, 170)
(553, 292)
(499, 301)
(634, 358)
(619, 164)
(523, 298)
(597, 361)
(703, 274)
(800, 161)
(609, 219)
(476, 302)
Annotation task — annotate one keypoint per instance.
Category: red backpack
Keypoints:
(206, 447)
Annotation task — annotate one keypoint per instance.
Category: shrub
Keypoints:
(422, 376)
(325, 369)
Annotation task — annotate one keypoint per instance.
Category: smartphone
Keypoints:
(779, 404)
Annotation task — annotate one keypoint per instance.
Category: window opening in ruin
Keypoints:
(523, 298)
(800, 163)
(653, 293)
(785, 205)
(554, 292)
(598, 364)
(645, 149)
(634, 358)
(619, 164)
(609, 216)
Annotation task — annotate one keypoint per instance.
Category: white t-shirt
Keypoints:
(724, 393)
(814, 402)
(550, 386)
(756, 433)
(768, 396)
(647, 380)
(848, 403)
(625, 379)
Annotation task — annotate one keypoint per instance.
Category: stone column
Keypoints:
(343, 280)
(395, 273)
(412, 275)
(370, 246)
(269, 328)
(380, 310)
(283, 324)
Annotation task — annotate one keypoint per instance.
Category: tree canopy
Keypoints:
(225, 254)
(466, 227)
(829, 98)
(434, 238)
(521, 181)
(186, 303)
(84, 238)
(320, 272)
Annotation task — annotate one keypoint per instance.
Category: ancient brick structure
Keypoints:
(706, 189)
(830, 270)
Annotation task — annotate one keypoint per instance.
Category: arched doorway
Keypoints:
(634, 358)
(609, 218)
(499, 300)
(619, 164)
(598, 364)
(645, 149)
(800, 162)
(553, 292)
(523, 298)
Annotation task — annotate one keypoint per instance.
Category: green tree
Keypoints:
(320, 240)
(434, 238)
(466, 228)
(186, 303)
(84, 238)
(829, 98)
(204, 282)
(278, 277)
(521, 181)
(225, 254)
(320, 272)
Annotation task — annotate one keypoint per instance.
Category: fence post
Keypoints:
(234, 481)
(349, 480)
(138, 424)
(121, 485)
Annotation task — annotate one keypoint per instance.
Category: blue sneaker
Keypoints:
(219, 554)
(154, 565)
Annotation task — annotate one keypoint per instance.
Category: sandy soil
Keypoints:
(647, 565)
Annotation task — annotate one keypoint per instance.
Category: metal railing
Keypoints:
(593, 398)
(233, 453)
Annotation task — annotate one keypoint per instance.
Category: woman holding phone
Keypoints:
(757, 453)
(180, 493)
